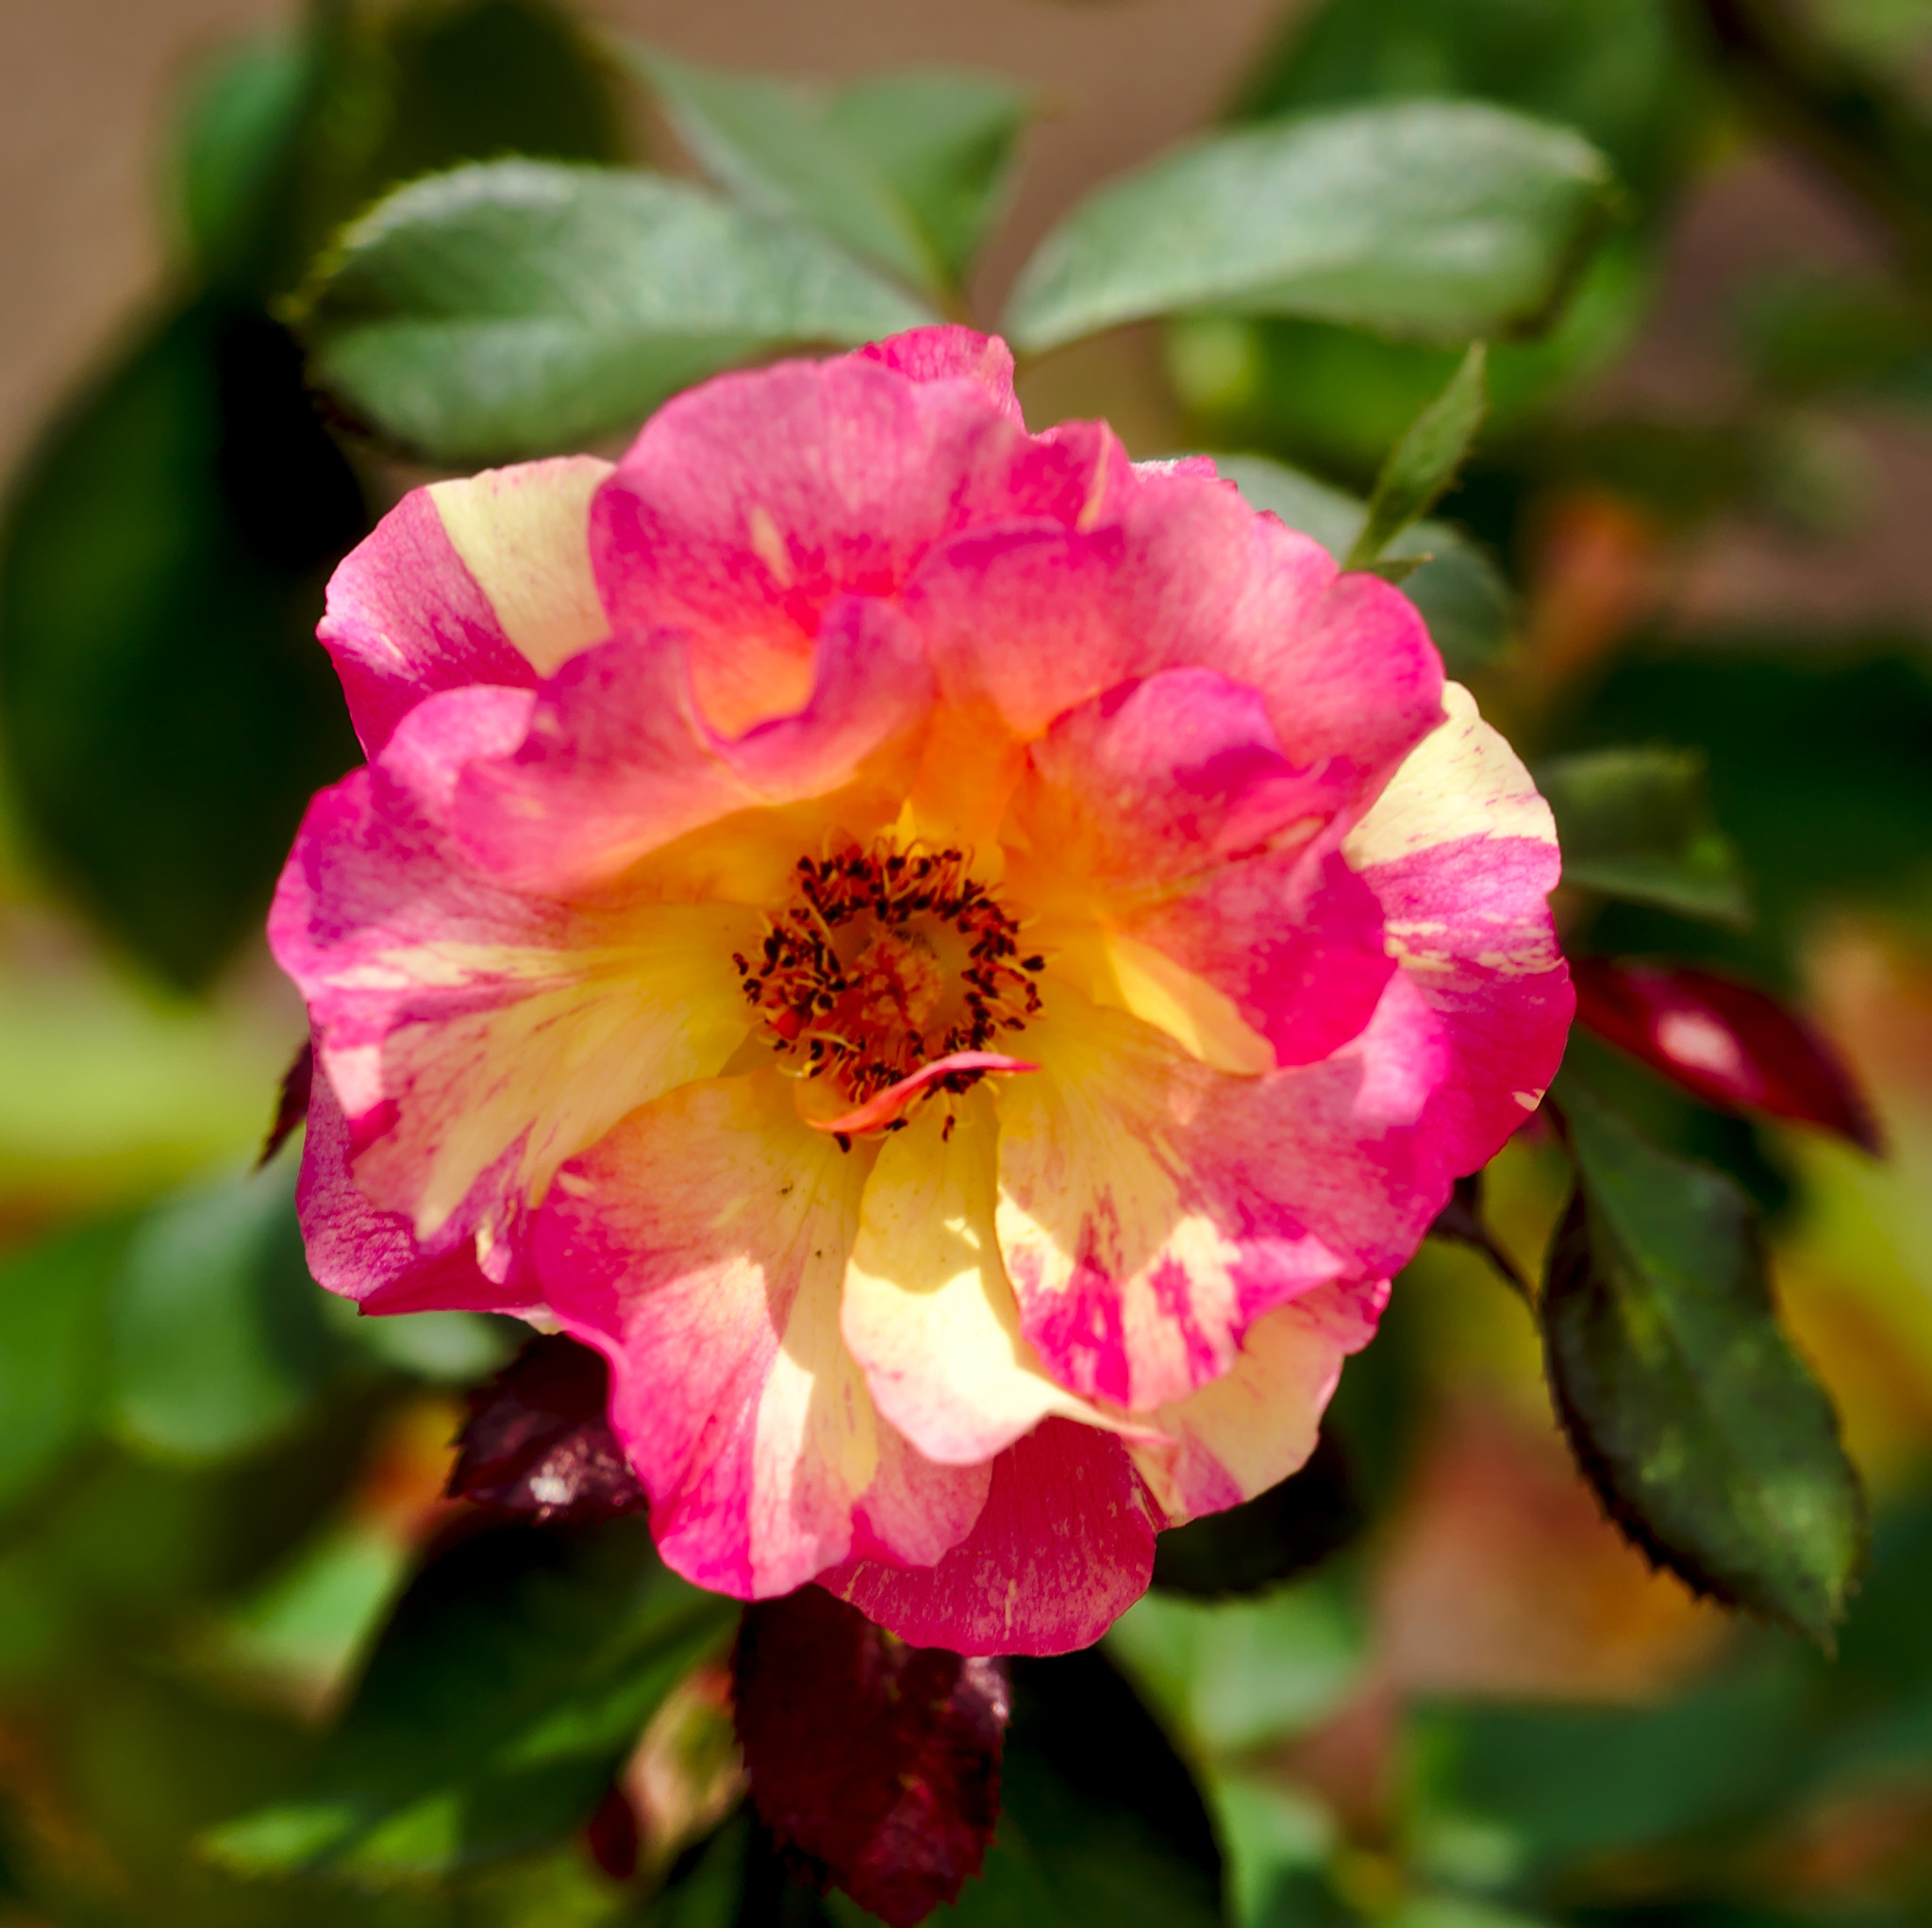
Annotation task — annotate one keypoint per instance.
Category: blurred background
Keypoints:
(1707, 490)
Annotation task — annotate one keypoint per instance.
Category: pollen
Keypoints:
(885, 960)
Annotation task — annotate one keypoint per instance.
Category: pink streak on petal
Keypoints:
(1241, 1434)
(700, 1248)
(877, 1112)
(1064, 1547)
(1152, 1208)
(950, 354)
(1295, 941)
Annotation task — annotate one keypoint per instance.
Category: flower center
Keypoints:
(884, 961)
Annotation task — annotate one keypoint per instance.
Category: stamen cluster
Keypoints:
(886, 960)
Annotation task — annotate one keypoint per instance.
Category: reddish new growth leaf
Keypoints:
(538, 1439)
(292, 1102)
(611, 1835)
(1727, 1043)
(876, 1762)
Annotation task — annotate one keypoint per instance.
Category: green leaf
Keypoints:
(1438, 220)
(1629, 77)
(517, 306)
(515, 1675)
(474, 80)
(1705, 1435)
(1100, 1821)
(945, 141)
(219, 1340)
(774, 150)
(241, 123)
(53, 1325)
(1470, 609)
(1634, 823)
(1426, 461)
(168, 714)
(1505, 1795)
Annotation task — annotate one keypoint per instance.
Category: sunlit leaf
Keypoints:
(1426, 461)
(517, 305)
(1469, 609)
(1634, 823)
(777, 152)
(1705, 1435)
(1440, 220)
(1729, 1044)
(945, 140)
(516, 1673)
(877, 1761)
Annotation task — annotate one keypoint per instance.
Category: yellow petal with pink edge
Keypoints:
(928, 1313)
(1249, 1429)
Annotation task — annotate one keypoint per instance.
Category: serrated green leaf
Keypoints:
(1438, 220)
(516, 1673)
(1634, 823)
(945, 140)
(1705, 1436)
(1469, 609)
(517, 306)
(778, 154)
(1424, 462)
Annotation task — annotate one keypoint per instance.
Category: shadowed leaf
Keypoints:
(876, 1761)
(1705, 1435)
(1634, 823)
(1426, 461)
(538, 1439)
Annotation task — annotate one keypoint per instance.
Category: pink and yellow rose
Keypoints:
(961, 963)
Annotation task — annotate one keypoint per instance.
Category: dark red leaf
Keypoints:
(1727, 1043)
(611, 1835)
(538, 1439)
(875, 1762)
(292, 1102)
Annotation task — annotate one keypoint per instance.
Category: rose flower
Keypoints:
(960, 963)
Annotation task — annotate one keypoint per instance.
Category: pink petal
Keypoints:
(950, 355)
(1462, 853)
(927, 1311)
(617, 762)
(749, 506)
(484, 581)
(700, 1247)
(1064, 1547)
(1151, 1208)
(475, 1036)
(373, 1256)
(1248, 1430)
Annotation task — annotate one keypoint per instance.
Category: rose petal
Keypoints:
(1063, 1547)
(700, 1247)
(484, 581)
